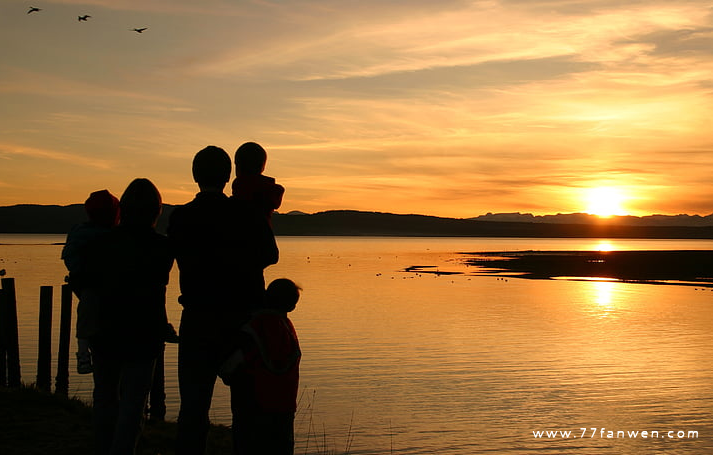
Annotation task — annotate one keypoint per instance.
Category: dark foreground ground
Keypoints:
(37, 423)
(693, 268)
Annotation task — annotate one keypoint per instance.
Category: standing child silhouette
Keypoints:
(102, 209)
(265, 369)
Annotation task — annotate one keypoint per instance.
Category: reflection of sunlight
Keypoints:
(603, 291)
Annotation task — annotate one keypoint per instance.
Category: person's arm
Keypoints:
(276, 194)
(269, 252)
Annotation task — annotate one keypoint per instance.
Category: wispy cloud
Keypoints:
(463, 35)
(12, 151)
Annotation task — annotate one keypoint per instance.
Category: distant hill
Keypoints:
(345, 222)
(584, 218)
(51, 219)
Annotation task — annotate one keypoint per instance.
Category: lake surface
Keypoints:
(410, 363)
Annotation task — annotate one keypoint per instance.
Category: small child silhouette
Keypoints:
(102, 209)
(265, 374)
(250, 185)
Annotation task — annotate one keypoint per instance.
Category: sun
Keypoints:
(605, 202)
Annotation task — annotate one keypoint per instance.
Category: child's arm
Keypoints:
(275, 196)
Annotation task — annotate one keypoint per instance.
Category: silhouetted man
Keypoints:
(221, 248)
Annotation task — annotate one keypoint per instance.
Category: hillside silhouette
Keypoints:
(54, 219)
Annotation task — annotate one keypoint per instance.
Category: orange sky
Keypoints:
(451, 108)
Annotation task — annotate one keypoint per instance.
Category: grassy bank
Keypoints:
(37, 423)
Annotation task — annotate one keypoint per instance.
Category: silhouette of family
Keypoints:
(231, 327)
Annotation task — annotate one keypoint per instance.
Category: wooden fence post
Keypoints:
(14, 377)
(44, 345)
(65, 330)
(3, 337)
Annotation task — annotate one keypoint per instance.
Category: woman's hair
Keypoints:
(140, 204)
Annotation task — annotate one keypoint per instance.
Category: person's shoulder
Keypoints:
(180, 208)
(243, 210)
(184, 212)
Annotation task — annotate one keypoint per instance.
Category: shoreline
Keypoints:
(673, 267)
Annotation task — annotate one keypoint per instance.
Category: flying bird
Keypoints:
(139, 30)
(83, 18)
(33, 9)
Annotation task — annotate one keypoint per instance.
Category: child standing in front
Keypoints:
(264, 375)
(102, 209)
(250, 185)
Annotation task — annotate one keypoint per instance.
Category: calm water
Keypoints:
(462, 364)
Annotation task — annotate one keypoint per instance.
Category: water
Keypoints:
(462, 364)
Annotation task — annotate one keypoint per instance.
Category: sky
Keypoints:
(448, 108)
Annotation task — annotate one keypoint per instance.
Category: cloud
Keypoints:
(696, 42)
(166, 7)
(19, 80)
(12, 151)
(459, 34)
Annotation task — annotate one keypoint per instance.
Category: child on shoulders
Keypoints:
(251, 185)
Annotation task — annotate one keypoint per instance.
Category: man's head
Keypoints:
(211, 168)
(250, 159)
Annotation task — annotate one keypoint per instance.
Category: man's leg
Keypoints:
(105, 397)
(198, 363)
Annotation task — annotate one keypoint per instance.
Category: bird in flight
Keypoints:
(83, 18)
(139, 30)
(33, 9)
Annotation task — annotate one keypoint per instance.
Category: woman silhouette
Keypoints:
(131, 265)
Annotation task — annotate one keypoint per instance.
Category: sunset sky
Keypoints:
(450, 108)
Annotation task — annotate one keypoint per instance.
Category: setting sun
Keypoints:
(605, 202)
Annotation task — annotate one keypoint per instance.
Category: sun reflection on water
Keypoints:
(603, 293)
(602, 297)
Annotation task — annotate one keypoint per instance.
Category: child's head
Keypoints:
(250, 159)
(102, 208)
(282, 294)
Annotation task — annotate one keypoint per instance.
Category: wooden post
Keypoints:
(65, 330)
(14, 377)
(3, 337)
(44, 345)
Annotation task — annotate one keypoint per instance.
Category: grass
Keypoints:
(33, 422)
(38, 423)
(319, 444)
